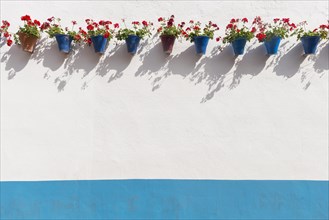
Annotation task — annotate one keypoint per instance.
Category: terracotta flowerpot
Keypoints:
(28, 42)
(167, 43)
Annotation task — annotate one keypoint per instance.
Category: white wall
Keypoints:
(83, 116)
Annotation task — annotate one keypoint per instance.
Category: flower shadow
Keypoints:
(252, 63)
(321, 63)
(117, 62)
(82, 61)
(15, 60)
(289, 64)
(52, 57)
(216, 67)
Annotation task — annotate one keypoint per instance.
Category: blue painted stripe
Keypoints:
(165, 199)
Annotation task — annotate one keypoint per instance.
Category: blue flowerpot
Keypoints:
(64, 42)
(238, 45)
(272, 45)
(132, 43)
(201, 43)
(99, 43)
(310, 44)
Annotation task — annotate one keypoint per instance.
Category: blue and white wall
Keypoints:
(151, 136)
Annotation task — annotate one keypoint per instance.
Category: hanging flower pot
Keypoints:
(133, 35)
(28, 35)
(132, 42)
(201, 43)
(238, 33)
(271, 33)
(64, 36)
(239, 45)
(99, 43)
(167, 43)
(310, 43)
(64, 42)
(28, 42)
(199, 35)
(272, 45)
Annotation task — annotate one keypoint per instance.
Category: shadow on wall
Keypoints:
(15, 60)
(252, 63)
(213, 70)
(321, 63)
(289, 63)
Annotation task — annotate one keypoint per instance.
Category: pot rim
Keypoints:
(167, 35)
(28, 35)
(310, 37)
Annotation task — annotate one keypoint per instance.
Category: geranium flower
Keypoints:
(51, 19)
(244, 20)
(285, 20)
(276, 20)
(116, 25)
(90, 27)
(229, 26)
(160, 19)
(26, 18)
(74, 22)
(106, 35)
(144, 23)
(261, 36)
(9, 42)
(36, 22)
(232, 20)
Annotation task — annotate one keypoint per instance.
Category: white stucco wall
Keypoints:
(83, 116)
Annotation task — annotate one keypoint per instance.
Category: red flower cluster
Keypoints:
(4, 29)
(324, 26)
(96, 28)
(26, 18)
(29, 22)
(195, 30)
(261, 36)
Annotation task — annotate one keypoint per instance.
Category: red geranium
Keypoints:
(195, 30)
(36, 22)
(278, 28)
(95, 29)
(237, 28)
(261, 37)
(90, 27)
(140, 29)
(9, 42)
(31, 28)
(4, 29)
(26, 18)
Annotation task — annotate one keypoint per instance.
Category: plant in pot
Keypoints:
(28, 35)
(64, 37)
(200, 37)
(133, 35)
(4, 32)
(310, 39)
(237, 34)
(98, 34)
(272, 33)
(169, 32)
